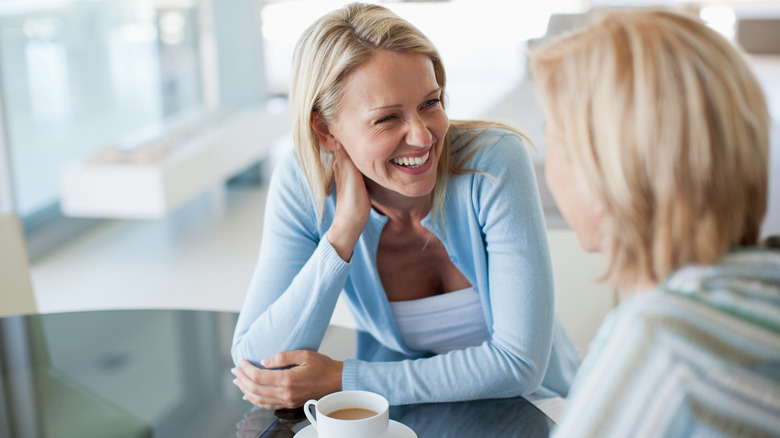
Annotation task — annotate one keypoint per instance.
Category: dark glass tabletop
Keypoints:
(508, 417)
(166, 373)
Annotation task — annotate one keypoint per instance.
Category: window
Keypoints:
(78, 76)
(81, 75)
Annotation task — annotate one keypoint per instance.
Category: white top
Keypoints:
(441, 323)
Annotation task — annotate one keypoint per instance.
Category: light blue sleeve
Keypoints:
(298, 277)
(507, 228)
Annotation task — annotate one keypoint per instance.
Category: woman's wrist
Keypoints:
(343, 243)
(338, 370)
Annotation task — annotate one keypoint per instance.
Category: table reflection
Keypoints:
(130, 373)
(511, 417)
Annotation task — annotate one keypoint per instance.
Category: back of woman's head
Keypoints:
(667, 128)
(327, 52)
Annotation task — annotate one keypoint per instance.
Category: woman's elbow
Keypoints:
(527, 373)
(237, 350)
(533, 384)
(529, 379)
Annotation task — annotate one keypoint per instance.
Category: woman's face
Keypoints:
(392, 123)
(584, 214)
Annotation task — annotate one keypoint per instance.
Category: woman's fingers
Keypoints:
(311, 375)
(257, 379)
(284, 359)
(264, 396)
(267, 403)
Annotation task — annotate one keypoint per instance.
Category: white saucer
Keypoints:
(396, 430)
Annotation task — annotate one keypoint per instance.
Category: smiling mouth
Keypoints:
(413, 162)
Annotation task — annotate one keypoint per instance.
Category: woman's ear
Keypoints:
(322, 130)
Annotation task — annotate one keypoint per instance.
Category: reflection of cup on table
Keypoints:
(349, 414)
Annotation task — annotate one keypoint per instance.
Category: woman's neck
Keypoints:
(399, 208)
(637, 290)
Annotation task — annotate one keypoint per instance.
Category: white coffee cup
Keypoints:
(374, 426)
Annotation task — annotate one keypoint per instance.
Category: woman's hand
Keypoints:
(311, 376)
(353, 205)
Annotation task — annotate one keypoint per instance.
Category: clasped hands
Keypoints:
(289, 379)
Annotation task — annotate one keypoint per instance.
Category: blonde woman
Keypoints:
(657, 135)
(432, 230)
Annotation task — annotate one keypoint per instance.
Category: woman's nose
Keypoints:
(418, 133)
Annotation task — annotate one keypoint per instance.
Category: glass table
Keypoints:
(509, 417)
(166, 373)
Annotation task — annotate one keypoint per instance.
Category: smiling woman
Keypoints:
(391, 124)
(431, 229)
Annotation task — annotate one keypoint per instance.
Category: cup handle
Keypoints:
(307, 410)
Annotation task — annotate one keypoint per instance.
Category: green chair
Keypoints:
(16, 292)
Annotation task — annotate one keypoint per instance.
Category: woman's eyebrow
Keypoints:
(398, 105)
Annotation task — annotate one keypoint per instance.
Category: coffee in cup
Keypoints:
(352, 413)
(349, 414)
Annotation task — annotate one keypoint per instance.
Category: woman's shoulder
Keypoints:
(657, 321)
(473, 133)
(742, 292)
(487, 143)
(744, 285)
(288, 180)
(286, 163)
(687, 338)
(288, 173)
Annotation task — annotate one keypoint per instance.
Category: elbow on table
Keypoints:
(524, 376)
(235, 351)
(253, 352)
(239, 350)
(514, 383)
(529, 381)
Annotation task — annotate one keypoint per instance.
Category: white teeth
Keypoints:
(412, 162)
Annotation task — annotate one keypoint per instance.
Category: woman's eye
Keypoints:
(385, 119)
(432, 102)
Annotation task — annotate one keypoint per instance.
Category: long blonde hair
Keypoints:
(668, 128)
(327, 52)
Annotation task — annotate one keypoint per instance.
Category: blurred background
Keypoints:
(137, 136)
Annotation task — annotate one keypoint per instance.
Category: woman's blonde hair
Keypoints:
(668, 129)
(327, 52)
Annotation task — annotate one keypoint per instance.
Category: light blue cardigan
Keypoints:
(495, 235)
